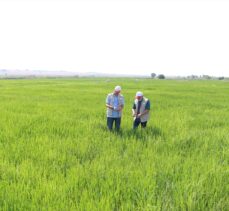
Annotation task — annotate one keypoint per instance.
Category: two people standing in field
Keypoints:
(115, 105)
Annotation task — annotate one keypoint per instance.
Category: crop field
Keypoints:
(56, 152)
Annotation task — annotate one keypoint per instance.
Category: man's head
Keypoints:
(117, 90)
(139, 96)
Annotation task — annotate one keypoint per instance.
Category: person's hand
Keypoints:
(119, 108)
(115, 108)
(139, 115)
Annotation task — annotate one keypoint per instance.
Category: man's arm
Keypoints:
(143, 113)
(121, 106)
(109, 106)
(134, 112)
(108, 103)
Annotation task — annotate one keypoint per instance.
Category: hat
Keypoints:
(139, 94)
(117, 88)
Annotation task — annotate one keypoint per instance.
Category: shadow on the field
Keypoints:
(147, 133)
(144, 134)
(140, 134)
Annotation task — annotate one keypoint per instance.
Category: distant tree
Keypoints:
(153, 75)
(161, 76)
(221, 78)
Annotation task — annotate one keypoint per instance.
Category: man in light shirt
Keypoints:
(114, 104)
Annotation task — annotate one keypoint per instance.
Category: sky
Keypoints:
(122, 37)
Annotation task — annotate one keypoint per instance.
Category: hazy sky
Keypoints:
(170, 37)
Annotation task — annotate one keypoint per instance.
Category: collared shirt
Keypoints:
(115, 103)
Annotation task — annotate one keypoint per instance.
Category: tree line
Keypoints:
(192, 77)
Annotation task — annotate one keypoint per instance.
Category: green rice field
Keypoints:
(57, 154)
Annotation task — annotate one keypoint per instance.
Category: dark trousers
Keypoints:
(111, 120)
(137, 122)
